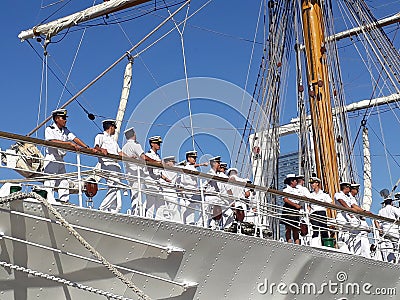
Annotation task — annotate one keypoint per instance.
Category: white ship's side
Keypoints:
(171, 261)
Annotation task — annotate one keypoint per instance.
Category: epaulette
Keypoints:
(51, 126)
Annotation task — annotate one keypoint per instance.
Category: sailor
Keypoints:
(225, 192)
(346, 199)
(318, 216)
(181, 164)
(238, 207)
(134, 172)
(236, 191)
(105, 143)
(342, 198)
(389, 231)
(361, 245)
(168, 180)
(213, 201)
(54, 159)
(300, 186)
(153, 197)
(290, 211)
(191, 207)
(306, 238)
(222, 169)
(223, 166)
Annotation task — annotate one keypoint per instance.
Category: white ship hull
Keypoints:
(171, 261)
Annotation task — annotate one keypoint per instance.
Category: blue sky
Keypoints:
(217, 45)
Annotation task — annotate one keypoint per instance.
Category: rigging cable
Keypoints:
(247, 80)
(73, 62)
(61, 82)
(184, 66)
(138, 55)
(367, 111)
(384, 147)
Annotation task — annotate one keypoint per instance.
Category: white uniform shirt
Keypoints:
(153, 173)
(212, 185)
(389, 211)
(106, 141)
(320, 196)
(237, 191)
(294, 191)
(52, 132)
(189, 181)
(352, 200)
(344, 197)
(304, 191)
(171, 175)
(134, 150)
(223, 186)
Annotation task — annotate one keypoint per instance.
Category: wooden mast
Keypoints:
(319, 96)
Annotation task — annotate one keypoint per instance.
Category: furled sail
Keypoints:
(124, 97)
(367, 199)
(52, 28)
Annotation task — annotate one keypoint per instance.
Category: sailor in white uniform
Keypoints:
(361, 245)
(134, 172)
(225, 192)
(342, 198)
(304, 191)
(318, 216)
(105, 143)
(154, 197)
(168, 180)
(238, 207)
(290, 210)
(54, 159)
(389, 231)
(213, 201)
(191, 208)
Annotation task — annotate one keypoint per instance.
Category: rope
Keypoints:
(59, 217)
(62, 281)
(184, 66)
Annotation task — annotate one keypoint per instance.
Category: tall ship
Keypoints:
(296, 98)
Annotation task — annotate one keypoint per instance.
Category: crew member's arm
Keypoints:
(343, 203)
(146, 158)
(79, 142)
(287, 200)
(356, 208)
(66, 143)
(204, 164)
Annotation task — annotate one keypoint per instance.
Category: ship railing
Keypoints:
(259, 213)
